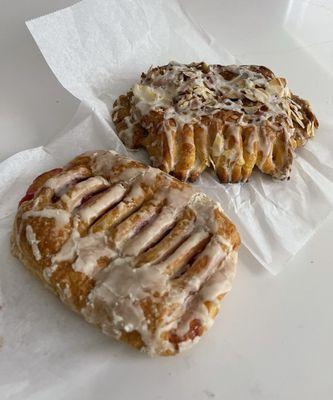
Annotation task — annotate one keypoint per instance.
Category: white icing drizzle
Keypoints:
(60, 216)
(187, 92)
(60, 181)
(107, 164)
(66, 253)
(69, 248)
(89, 249)
(74, 197)
(89, 212)
(204, 209)
(32, 240)
(86, 251)
(221, 281)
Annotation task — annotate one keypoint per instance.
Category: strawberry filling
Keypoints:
(37, 183)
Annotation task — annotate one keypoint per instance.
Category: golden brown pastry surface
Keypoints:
(231, 118)
(135, 251)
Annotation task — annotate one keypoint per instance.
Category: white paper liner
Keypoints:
(98, 49)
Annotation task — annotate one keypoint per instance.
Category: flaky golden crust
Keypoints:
(136, 252)
(230, 118)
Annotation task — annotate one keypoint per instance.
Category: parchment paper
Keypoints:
(98, 49)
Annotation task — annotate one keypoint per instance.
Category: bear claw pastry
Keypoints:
(231, 118)
(138, 253)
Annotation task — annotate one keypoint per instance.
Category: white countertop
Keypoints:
(275, 332)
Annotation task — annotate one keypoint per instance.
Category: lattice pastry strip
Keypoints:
(136, 252)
